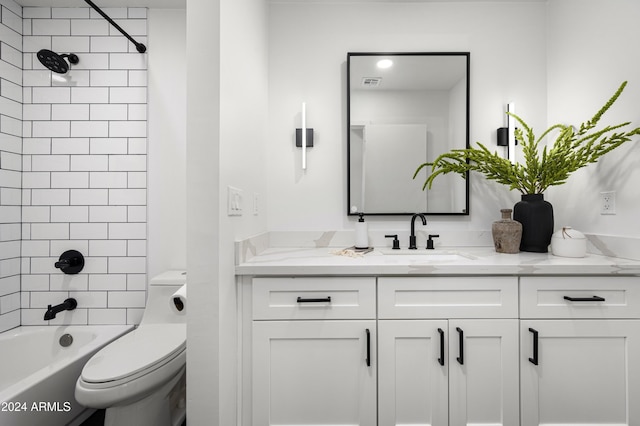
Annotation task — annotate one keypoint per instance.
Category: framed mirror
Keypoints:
(405, 109)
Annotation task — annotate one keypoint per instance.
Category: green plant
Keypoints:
(572, 150)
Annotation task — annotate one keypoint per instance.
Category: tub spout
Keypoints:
(68, 305)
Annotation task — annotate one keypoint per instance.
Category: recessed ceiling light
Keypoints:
(385, 63)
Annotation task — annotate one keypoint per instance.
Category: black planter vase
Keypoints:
(536, 216)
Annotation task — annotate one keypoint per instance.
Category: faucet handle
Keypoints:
(70, 262)
(430, 241)
(396, 242)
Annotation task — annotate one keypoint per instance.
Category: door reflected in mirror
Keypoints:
(405, 109)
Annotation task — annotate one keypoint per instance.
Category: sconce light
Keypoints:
(304, 137)
(507, 135)
(309, 137)
(503, 136)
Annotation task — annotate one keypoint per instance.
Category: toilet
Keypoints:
(140, 378)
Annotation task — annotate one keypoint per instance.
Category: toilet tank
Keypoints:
(161, 288)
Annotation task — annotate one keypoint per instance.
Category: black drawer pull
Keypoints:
(584, 299)
(324, 299)
(441, 359)
(368, 360)
(534, 360)
(461, 350)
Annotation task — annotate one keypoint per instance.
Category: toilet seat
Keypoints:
(134, 355)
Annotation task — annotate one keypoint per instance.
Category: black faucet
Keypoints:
(412, 237)
(68, 305)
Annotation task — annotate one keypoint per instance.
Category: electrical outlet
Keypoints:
(256, 204)
(608, 202)
(234, 201)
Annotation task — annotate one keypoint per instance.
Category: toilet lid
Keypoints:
(144, 347)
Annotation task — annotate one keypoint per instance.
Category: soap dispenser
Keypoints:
(362, 236)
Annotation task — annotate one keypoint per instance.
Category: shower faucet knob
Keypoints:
(70, 262)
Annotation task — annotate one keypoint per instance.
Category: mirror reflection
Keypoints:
(405, 109)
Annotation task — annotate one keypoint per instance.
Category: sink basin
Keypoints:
(429, 255)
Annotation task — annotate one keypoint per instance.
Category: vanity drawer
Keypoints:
(448, 297)
(580, 297)
(314, 298)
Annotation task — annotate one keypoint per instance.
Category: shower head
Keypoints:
(56, 62)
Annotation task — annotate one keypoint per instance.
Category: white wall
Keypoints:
(308, 44)
(203, 159)
(457, 126)
(10, 161)
(167, 195)
(402, 107)
(589, 56)
(243, 147)
(226, 127)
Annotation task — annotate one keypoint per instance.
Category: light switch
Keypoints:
(234, 201)
(256, 204)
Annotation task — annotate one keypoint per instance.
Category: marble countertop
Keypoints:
(445, 261)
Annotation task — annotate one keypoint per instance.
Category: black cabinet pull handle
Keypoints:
(534, 360)
(324, 299)
(441, 359)
(368, 360)
(584, 299)
(461, 349)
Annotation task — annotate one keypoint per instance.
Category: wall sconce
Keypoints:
(304, 137)
(507, 135)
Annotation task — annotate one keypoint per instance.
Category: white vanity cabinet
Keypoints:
(440, 350)
(448, 351)
(580, 350)
(313, 351)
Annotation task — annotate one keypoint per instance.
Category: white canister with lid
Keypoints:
(567, 242)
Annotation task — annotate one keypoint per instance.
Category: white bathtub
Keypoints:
(38, 375)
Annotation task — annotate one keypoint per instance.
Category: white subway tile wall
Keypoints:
(73, 165)
(11, 166)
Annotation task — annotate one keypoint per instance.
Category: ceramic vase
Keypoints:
(507, 233)
(536, 216)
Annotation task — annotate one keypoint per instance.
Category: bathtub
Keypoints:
(38, 374)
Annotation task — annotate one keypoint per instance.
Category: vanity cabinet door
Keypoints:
(483, 372)
(587, 372)
(314, 373)
(412, 373)
(456, 372)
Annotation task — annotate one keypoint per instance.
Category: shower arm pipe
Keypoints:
(139, 46)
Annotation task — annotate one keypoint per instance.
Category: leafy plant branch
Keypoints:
(573, 149)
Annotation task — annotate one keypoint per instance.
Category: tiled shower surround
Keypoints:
(73, 159)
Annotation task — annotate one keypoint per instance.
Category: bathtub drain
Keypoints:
(66, 340)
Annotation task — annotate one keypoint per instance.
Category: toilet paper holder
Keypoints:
(179, 301)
